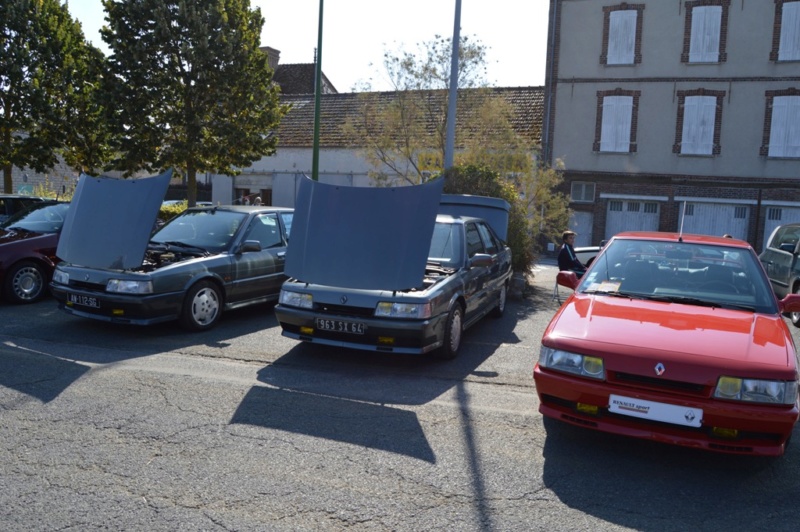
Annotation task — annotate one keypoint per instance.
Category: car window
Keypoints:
(488, 238)
(786, 238)
(474, 243)
(264, 228)
(446, 245)
(287, 217)
(40, 218)
(210, 229)
(715, 274)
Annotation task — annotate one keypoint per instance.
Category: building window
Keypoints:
(706, 31)
(774, 213)
(582, 192)
(699, 122)
(622, 35)
(615, 206)
(782, 124)
(688, 209)
(786, 37)
(740, 212)
(651, 208)
(615, 130)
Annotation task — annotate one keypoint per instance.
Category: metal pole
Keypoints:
(450, 140)
(317, 92)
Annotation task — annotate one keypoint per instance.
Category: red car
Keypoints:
(28, 242)
(673, 338)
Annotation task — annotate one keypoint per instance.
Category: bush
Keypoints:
(481, 181)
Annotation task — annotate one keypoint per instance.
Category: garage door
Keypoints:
(716, 219)
(631, 215)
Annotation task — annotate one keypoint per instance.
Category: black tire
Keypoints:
(26, 282)
(795, 316)
(500, 308)
(202, 307)
(453, 332)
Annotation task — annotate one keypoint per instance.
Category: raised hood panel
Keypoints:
(110, 220)
(647, 331)
(367, 238)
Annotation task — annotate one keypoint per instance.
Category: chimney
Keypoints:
(273, 56)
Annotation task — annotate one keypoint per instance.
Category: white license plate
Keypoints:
(677, 415)
(84, 301)
(340, 326)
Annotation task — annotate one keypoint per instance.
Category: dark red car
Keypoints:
(28, 242)
(677, 339)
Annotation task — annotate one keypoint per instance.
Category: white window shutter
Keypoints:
(705, 37)
(789, 49)
(699, 115)
(615, 132)
(622, 37)
(784, 135)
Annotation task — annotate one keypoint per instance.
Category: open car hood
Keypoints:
(368, 238)
(110, 220)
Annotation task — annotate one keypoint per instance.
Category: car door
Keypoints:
(259, 274)
(494, 274)
(476, 290)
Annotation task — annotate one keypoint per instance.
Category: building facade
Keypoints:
(675, 115)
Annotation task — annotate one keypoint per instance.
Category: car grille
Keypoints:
(94, 287)
(630, 379)
(344, 310)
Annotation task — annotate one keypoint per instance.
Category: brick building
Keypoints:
(674, 116)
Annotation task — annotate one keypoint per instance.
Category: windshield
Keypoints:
(691, 273)
(208, 229)
(446, 246)
(38, 218)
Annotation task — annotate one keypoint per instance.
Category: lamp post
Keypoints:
(317, 92)
(450, 139)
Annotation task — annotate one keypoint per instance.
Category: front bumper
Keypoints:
(121, 308)
(384, 335)
(760, 429)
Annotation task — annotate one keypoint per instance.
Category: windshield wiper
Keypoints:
(615, 293)
(187, 247)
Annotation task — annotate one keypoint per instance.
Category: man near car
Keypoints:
(567, 260)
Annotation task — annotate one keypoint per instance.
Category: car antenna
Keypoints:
(683, 217)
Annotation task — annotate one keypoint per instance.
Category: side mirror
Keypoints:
(481, 259)
(790, 303)
(250, 245)
(569, 279)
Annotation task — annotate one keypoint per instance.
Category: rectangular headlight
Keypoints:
(756, 390)
(390, 309)
(583, 365)
(60, 277)
(124, 286)
(295, 299)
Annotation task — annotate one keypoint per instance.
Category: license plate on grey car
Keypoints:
(84, 301)
(340, 326)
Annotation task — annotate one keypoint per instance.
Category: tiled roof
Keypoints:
(336, 110)
(299, 79)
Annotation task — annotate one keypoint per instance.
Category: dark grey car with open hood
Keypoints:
(383, 269)
(203, 261)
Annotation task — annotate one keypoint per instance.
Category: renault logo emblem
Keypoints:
(660, 369)
(343, 299)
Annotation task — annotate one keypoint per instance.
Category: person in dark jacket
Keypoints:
(567, 260)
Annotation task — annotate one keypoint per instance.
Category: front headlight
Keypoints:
(60, 277)
(756, 390)
(295, 299)
(124, 286)
(582, 365)
(389, 309)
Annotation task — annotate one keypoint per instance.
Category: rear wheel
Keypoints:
(795, 316)
(453, 330)
(202, 307)
(25, 283)
(497, 312)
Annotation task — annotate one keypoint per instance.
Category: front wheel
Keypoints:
(202, 307)
(25, 283)
(453, 330)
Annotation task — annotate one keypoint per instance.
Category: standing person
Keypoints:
(257, 201)
(567, 260)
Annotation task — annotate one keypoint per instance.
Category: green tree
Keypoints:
(41, 51)
(548, 210)
(404, 133)
(194, 90)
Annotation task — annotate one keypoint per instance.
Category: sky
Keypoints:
(356, 33)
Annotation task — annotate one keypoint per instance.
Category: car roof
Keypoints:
(450, 219)
(686, 238)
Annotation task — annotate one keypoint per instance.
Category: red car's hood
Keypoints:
(633, 335)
